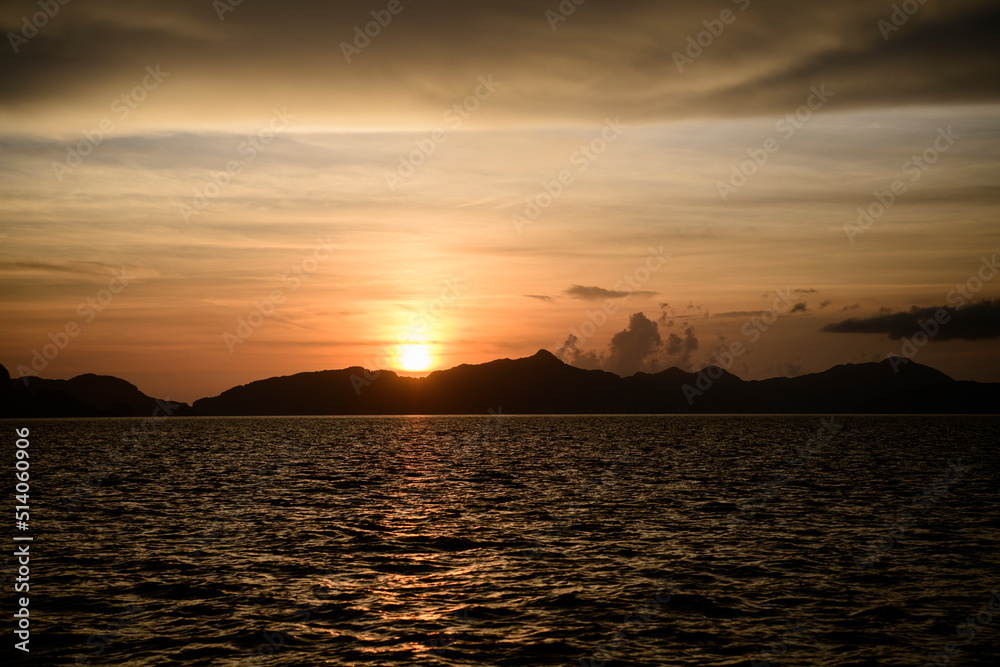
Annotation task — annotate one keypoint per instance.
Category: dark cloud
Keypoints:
(638, 347)
(804, 291)
(667, 313)
(600, 294)
(540, 297)
(432, 53)
(865, 69)
(629, 348)
(572, 354)
(799, 308)
(856, 306)
(978, 321)
(682, 348)
(826, 303)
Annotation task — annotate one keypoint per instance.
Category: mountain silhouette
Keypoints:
(540, 384)
(83, 396)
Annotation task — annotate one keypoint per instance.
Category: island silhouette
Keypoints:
(540, 384)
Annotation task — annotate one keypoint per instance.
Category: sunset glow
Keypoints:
(414, 357)
(450, 332)
(512, 189)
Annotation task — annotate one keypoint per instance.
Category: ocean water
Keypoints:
(617, 540)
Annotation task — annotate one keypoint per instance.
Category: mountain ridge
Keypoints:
(539, 384)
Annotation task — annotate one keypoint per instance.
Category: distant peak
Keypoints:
(911, 367)
(717, 372)
(546, 355)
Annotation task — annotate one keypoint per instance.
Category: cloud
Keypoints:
(600, 294)
(669, 314)
(540, 297)
(799, 307)
(682, 348)
(638, 347)
(572, 354)
(978, 321)
(826, 303)
(739, 313)
(432, 53)
(804, 291)
(630, 347)
(72, 267)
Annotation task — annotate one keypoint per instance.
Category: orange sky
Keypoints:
(206, 202)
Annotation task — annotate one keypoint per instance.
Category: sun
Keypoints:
(414, 357)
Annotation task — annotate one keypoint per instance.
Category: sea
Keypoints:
(505, 540)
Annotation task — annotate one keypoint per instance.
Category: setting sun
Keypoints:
(414, 357)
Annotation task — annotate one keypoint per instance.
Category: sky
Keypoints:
(199, 194)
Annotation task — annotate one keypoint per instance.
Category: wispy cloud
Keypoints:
(599, 293)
